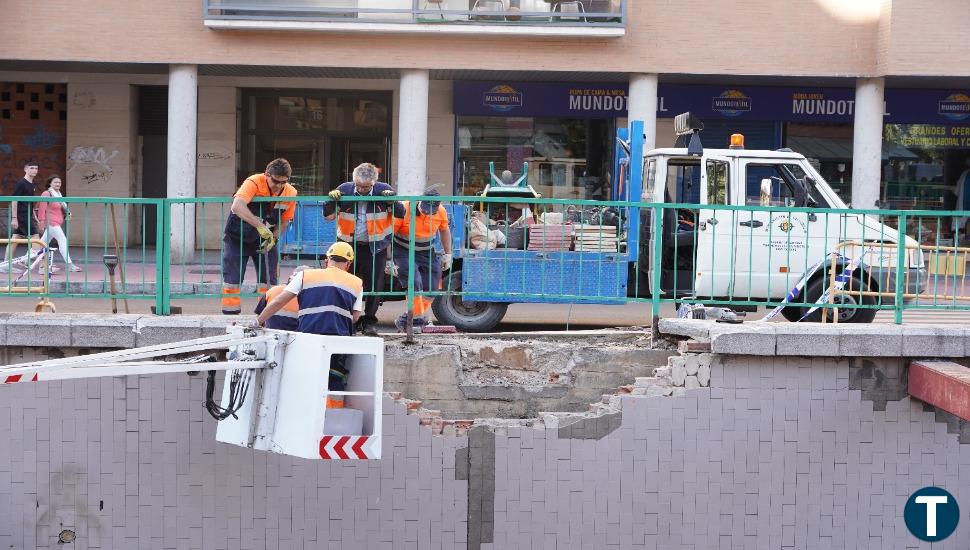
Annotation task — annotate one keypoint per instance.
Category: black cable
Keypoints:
(239, 380)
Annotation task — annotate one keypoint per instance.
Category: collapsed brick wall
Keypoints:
(776, 453)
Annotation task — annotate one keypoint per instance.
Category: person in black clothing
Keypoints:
(22, 218)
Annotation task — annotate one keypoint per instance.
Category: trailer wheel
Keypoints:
(467, 315)
(816, 287)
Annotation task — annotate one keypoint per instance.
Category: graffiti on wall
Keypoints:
(93, 163)
(41, 139)
(84, 99)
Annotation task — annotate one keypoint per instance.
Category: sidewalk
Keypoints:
(138, 268)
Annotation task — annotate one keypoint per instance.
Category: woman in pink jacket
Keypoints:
(52, 215)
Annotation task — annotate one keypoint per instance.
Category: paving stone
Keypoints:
(704, 375)
(691, 363)
(677, 373)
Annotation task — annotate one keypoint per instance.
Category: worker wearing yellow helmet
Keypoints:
(329, 302)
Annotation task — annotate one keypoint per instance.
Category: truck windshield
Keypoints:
(776, 184)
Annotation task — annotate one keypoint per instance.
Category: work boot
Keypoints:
(368, 329)
(401, 322)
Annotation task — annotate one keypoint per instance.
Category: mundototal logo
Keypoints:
(955, 107)
(731, 103)
(502, 98)
(931, 514)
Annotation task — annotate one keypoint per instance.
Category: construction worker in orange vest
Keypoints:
(329, 302)
(366, 225)
(287, 318)
(430, 220)
(252, 230)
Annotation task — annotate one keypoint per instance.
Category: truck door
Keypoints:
(715, 257)
(775, 247)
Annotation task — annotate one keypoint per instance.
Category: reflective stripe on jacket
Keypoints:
(378, 214)
(425, 227)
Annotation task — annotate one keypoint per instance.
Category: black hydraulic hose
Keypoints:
(239, 380)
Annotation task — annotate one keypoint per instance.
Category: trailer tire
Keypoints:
(466, 315)
(816, 287)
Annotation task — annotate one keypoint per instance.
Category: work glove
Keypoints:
(388, 193)
(390, 268)
(265, 245)
(335, 194)
(264, 232)
(446, 260)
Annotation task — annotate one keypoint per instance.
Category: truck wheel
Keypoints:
(467, 315)
(816, 287)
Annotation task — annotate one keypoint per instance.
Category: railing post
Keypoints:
(163, 224)
(657, 236)
(412, 219)
(900, 258)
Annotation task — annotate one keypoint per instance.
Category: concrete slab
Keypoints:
(100, 331)
(744, 339)
(153, 330)
(691, 328)
(807, 339)
(934, 342)
(30, 329)
(871, 341)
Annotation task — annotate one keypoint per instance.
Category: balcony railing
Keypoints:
(606, 16)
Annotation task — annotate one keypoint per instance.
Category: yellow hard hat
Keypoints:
(341, 250)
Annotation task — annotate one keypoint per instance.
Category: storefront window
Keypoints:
(829, 147)
(567, 158)
(324, 134)
(930, 169)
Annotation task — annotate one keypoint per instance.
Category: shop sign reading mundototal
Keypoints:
(766, 103)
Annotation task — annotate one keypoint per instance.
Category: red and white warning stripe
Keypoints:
(14, 378)
(346, 447)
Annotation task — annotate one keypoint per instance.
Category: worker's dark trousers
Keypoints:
(427, 276)
(369, 266)
(234, 261)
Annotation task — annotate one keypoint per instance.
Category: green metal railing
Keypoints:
(559, 251)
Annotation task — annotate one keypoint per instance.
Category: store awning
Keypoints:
(834, 149)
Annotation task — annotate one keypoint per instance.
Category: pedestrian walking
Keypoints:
(329, 302)
(430, 220)
(366, 225)
(253, 229)
(22, 218)
(52, 216)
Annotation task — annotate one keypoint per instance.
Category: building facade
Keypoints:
(134, 100)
